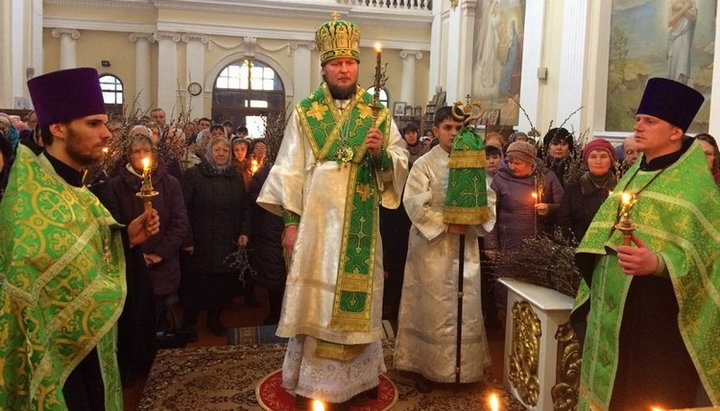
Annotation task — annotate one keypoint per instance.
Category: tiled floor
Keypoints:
(240, 315)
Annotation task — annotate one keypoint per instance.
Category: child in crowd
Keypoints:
(428, 320)
(493, 157)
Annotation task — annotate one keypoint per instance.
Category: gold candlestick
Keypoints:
(625, 224)
(147, 192)
(380, 80)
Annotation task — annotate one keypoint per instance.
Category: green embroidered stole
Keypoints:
(678, 216)
(328, 128)
(62, 270)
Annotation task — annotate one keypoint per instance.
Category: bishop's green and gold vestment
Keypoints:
(62, 271)
(678, 216)
(326, 179)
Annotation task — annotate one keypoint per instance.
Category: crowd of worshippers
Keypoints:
(209, 175)
(554, 181)
(207, 185)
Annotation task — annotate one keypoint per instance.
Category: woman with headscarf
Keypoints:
(583, 198)
(528, 196)
(558, 149)
(153, 274)
(219, 215)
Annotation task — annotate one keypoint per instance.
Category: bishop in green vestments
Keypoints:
(337, 161)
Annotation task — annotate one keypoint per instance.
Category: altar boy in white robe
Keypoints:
(428, 318)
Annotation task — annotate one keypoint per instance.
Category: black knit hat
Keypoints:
(671, 101)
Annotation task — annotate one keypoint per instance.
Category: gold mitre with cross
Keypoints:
(338, 38)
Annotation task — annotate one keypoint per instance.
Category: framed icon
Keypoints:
(399, 108)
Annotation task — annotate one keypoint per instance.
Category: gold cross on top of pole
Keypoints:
(335, 15)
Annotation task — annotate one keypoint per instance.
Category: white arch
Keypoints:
(241, 55)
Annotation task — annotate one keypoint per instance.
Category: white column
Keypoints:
(36, 22)
(301, 69)
(195, 66)
(68, 37)
(714, 126)
(571, 91)
(143, 86)
(407, 83)
(434, 78)
(460, 51)
(17, 49)
(167, 84)
(531, 62)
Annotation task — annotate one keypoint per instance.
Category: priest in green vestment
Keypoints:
(652, 308)
(338, 160)
(62, 266)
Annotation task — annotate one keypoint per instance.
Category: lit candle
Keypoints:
(626, 197)
(105, 150)
(254, 165)
(146, 166)
(535, 197)
(318, 405)
(494, 402)
(378, 77)
(657, 409)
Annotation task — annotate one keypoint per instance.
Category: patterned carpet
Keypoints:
(225, 377)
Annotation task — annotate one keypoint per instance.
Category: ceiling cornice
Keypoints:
(313, 10)
(104, 25)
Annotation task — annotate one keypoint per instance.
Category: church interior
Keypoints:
(530, 65)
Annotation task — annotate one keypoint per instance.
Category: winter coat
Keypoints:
(266, 253)
(580, 202)
(170, 206)
(219, 212)
(516, 215)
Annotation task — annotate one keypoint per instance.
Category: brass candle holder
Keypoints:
(625, 223)
(379, 81)
(147, 192)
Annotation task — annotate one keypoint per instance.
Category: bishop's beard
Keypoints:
(342, 92)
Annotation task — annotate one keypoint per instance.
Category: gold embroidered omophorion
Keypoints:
(329, 128)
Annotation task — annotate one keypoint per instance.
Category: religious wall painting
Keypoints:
(497, 56)
(675, 40)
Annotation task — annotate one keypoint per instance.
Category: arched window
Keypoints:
(245, 93)
(112, 91)
(383, 95)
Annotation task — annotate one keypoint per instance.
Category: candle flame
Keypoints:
(254, 165)
(318, 405)
(105, 150)
(146, 163)
(494, 402)
(626, 197)
(657, 409)
(378, 47)
(534, 195)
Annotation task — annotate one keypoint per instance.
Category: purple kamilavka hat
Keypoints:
(65, 95)
(671, 101)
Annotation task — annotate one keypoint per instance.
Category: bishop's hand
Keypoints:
(373, 141)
